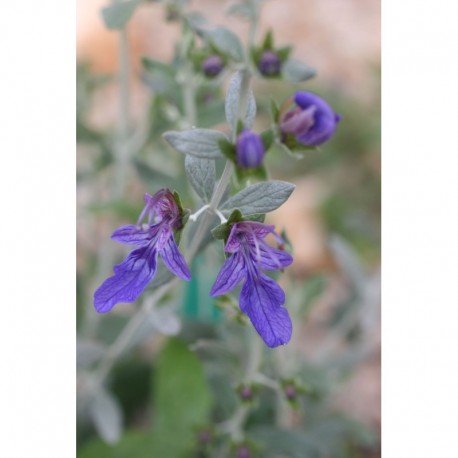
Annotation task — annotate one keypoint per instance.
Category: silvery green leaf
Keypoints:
(165, 320)
(106, 415)
(116, 15)
(233, 100)
(196, 21)
(245, 10)
(349, 262)
(88, 352)
(259, 198)
(201, 143)
(226, 42)
(201, 174)
(295, 71)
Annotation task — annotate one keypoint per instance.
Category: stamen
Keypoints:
(196, 215)
(221, 217)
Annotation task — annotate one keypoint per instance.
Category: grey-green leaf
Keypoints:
(259, 198)
(88, 352)
(227, 42)
(233, 100)
(201, 174)
(295, 71)
(118, 14)
(201, 143)
(106, 415)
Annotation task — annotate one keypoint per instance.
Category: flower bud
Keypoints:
(246, 392)
(249, 150)
(290, 392)
(212, 66)
(311, 122)
(269, 64)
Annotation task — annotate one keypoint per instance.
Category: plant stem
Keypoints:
(123, 340)
(123, 114)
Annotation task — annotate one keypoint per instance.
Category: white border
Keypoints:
(420, 230)
(37, 191)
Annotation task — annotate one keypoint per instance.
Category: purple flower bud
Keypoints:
(250, 150)
(312, 121)
(246, 393)
(269, 64)
(290, 392)
(212, 66)
(243, 452)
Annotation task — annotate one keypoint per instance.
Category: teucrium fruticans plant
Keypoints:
(240, 197)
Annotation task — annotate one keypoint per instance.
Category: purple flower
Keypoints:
(260, 297)
(137, 270)
(249, 150)
(312, 121)
(269, 64)
(212, 66)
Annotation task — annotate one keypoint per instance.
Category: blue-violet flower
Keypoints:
(269, 64)
(312, 121)
(260, 297)
(154, 237)
(249, 150)
(212, 66)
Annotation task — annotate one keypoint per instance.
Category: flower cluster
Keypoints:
(163, 218)
(260, 297)
(310, 122)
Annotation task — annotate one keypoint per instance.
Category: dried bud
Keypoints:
(290, 392)
(204, 436)
(243, 452)
(212, 66)
(311, 122)
(249, 150)
(269, 64)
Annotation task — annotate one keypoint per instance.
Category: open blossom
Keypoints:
(312, 121)
(154, 237)
(260, 297)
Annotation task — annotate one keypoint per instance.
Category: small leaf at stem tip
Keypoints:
(233, 100)
(295, 71)
(201, 143)
(106, 415)
(259, 198)
(117, 15)
(226, 42)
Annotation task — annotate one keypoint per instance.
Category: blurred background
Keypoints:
(332, 221)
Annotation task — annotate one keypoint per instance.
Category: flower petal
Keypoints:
(129, 280)
(131, 234)
(230, 275)
(262, 299)
(174, 260)
(246, 231)
(272, 258)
